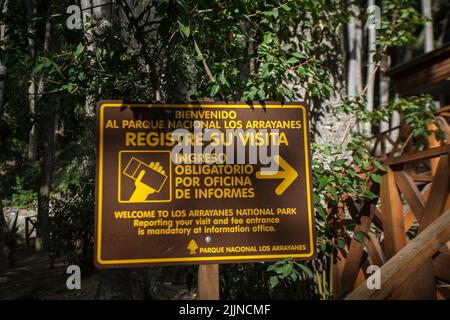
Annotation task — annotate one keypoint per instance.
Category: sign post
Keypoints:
(202, 183)
(208, 282)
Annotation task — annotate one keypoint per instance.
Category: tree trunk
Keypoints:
(3, 226)
(2, 65)
(371, 38)
(428, 29)
(48, 125)
(48, 155)
(384, 100)
(354, 31)
(32, 135)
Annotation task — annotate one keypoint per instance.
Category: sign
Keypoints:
(202, 183)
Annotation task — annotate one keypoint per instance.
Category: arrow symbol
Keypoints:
(288, 175)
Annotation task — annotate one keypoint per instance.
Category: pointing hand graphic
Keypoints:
(143, 190)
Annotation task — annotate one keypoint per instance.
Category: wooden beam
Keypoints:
(338, 267)
(423, 286)
(377, 218)
(392, 215)
(408, 260)
(208, 282)
(441, 265)
(421, 155)
(376, 254)
(438, 193)
(353, 261)
(410, 217)
(433, 143)
(445, 248)
(411, 193)
(443, 293)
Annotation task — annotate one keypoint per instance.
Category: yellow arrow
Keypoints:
(288, 174)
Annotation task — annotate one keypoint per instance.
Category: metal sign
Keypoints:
(202, 183)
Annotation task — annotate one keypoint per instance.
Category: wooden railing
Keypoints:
(30, 226)
(397, 140)
(414, 192)
(408, 261)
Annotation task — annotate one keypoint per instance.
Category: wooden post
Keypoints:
(433, 143)
(27, 232)
(208, 282)
(352, 265)
(392, 215)
(208, 274)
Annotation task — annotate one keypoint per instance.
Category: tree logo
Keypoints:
(192, 247)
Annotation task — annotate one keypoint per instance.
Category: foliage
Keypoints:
(21, 197)
(9, 237)
(71, 228)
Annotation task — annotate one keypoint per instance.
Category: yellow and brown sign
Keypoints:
(202, 183)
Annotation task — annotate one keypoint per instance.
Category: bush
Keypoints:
(21, 196)
(71, 228)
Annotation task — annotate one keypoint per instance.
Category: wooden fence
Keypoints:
(408, 233)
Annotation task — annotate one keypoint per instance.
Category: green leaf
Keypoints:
(292, 60)
(184, 5)
(271, 13)
(376, 177)
(323, 182)
(273, 280)
(341, 244)
(287, 269)
(298, 55)
(37, 68)
(294, 275)
(321, 212)
(214, 90)
(271, 267)
(369, 194)
(306, 269)
(79, 50)
(285, 7)
(338, 163)
(316, 198)
(267, 38)
(184, 29)
(379, 165)
(275, 13)
(68, 87)
(359, 236)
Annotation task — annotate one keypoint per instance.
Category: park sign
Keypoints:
(205, 182)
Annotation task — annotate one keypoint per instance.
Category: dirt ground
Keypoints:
(33, 278)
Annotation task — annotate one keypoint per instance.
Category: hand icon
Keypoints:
(143, 190)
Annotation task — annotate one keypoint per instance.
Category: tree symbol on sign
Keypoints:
(192, 247)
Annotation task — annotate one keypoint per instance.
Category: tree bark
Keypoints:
(48, 155)
(371, 37)
(3, 226)
(3, 37)
(428, 29)
(354, 31)
(49, 126)
(32, 135)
